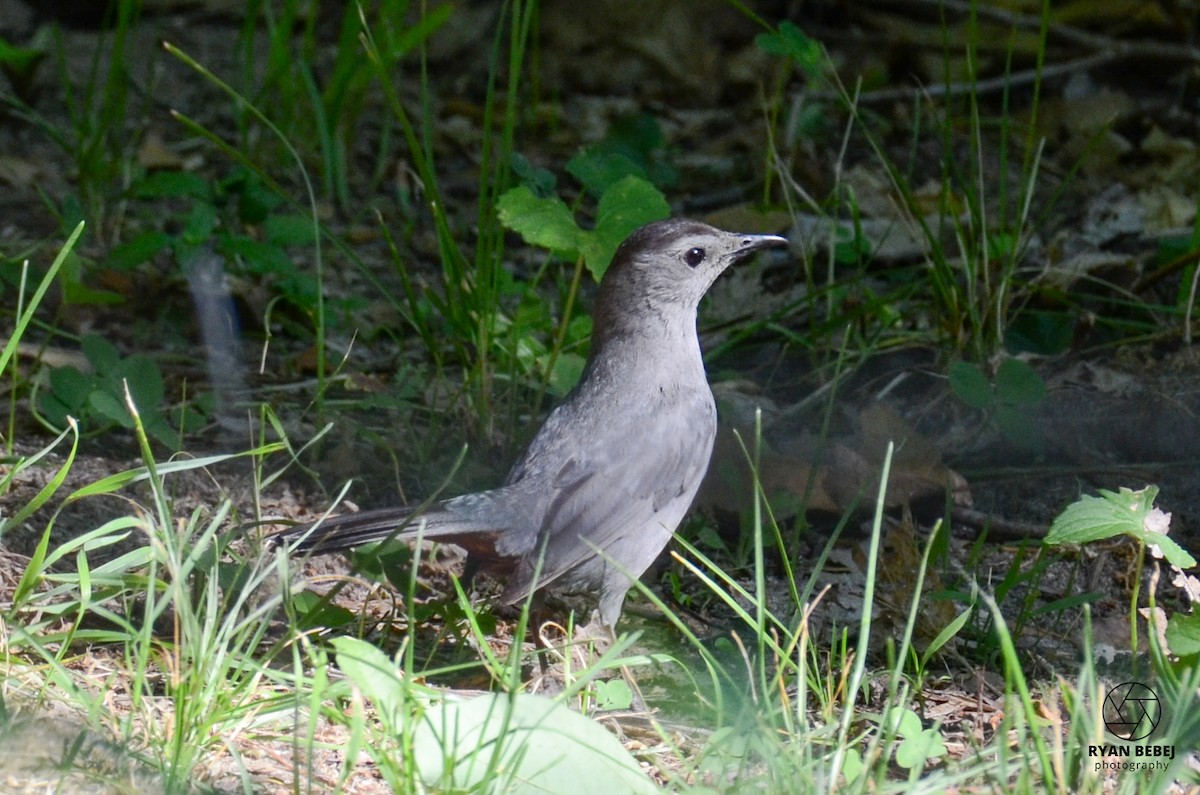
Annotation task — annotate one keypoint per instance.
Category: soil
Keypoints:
(1115, 189)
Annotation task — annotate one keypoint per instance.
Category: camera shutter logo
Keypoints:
(1131, 711)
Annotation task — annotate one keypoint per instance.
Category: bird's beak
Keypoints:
(751, 243)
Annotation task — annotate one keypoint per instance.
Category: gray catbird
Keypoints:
(614, 468)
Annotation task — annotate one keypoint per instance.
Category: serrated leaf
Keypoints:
(971, 386)
(540, 222)
(1113, 513)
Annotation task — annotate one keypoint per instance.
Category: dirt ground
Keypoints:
(1117, 179)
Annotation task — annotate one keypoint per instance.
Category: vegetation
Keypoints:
(321, 168)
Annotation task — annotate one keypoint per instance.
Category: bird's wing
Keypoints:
(620, 486)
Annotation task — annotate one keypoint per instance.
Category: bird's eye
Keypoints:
(694, 257)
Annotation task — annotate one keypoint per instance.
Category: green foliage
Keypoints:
(525, 741)
(97, 138)
(19, 63)
(624, 206)
(1183, 636)
(1017, 389)
(634, 146)
(1126, 512)
(97, 398)
(789, 42)
(24, 315)
(1134, 514)
(918, 744)
(239, 217)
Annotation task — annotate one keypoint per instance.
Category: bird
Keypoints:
(601, 488)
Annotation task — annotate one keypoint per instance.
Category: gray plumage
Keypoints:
(614, 468)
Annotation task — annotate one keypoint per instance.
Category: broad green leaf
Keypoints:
(1112, 513)
(791, 42)
(598, 170)
(71, 387)
(101, 353)
(141, 248)
(164, 184)
(970, 385)
(1092, 519)
(145, 382)
(291, 229)
(521, 743)
(630, 203)
(107, 406)
(374, 673)
(1019, 384)
(540, 222)
(1183, 634)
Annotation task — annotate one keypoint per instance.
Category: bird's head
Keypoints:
(665, 267)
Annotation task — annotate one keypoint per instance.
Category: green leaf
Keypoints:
(199, 224)
(1183, 634)
(568, 369)
(292, 229)
(1019, 426)
(1092, 519)
(145, 382)
(141, 248)
(101, 353)
(75, 291)
(374, 673)
(913, 752)
(1111, 514)
(630, 203)
(1017, 383)
(157, 426)
(547, 223)
(968, 382)
(71, 386)
(539, 180)
(168, 184)
(258, 257)
(599, 170)
(19, 59)
(614, 694)
(791, 42)
(105, 405)
(525, 743)
(255, 200)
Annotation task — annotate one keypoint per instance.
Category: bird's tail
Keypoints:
(337, 533)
